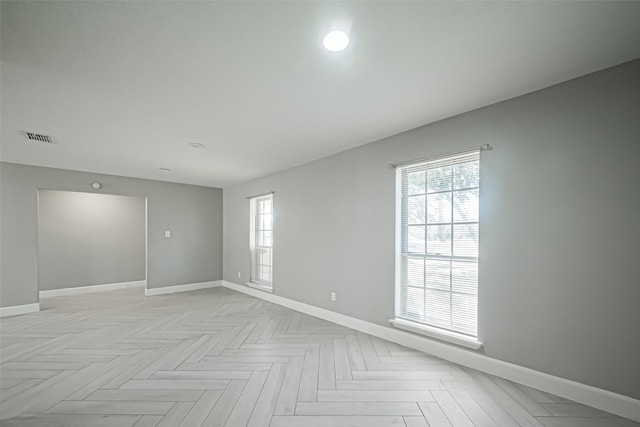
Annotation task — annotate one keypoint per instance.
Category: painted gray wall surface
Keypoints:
(193, 214)
(89, 239)
(559, 227)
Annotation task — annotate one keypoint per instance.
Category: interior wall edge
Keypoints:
(93, 288)
(182, 288)
(16, 310)
(192, 214)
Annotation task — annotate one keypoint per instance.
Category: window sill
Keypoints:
(440, 334)
(260, 287)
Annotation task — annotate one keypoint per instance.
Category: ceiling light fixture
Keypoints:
(335, 41)
(96, 185)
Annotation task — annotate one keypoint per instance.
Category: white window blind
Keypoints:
(437, 209)
(261, 240)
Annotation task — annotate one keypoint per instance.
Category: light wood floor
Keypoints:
(219, 358)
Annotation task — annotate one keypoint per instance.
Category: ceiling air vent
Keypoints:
(38, 137)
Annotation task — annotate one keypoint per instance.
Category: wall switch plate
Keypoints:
(333, 296)
(238, 274)
(167, 233)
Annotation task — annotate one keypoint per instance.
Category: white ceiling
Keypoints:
(125, 86)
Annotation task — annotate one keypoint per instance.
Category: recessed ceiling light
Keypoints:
(335, 41)
(196, 145)
(165, 169)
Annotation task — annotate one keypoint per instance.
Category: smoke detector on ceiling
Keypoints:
(38, 137)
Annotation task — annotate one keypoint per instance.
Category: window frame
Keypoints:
(421, 324)
(256, 211)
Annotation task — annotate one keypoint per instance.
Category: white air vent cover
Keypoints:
(37, 137)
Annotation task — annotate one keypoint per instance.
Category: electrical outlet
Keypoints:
(239, 275)
(333, 296)
(167, 233)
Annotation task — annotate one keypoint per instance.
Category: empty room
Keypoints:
(319, 213)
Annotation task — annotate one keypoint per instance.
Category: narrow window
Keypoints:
(437, 229)
(261, 241)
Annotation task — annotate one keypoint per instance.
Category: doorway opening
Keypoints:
(90, 242)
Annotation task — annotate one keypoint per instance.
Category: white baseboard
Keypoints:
(92, 288)
(608, 401)
(182, 288)
(15, 310)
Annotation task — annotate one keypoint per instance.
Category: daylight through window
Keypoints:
(437, 239)
(261, 240)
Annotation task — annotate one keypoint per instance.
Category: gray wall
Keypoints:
(559, 224)
(193, 214)
(89, 239)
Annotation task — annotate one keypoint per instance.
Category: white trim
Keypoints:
(264, 288)
(182, 288)
(608, 401)
(92, 288)
(15, 310)
(439, 334)
(255, 206)
(146, 240)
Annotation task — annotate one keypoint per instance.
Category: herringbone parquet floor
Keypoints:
(219, 358)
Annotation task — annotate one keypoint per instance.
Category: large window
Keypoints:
(437, 244)
(261, 241)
